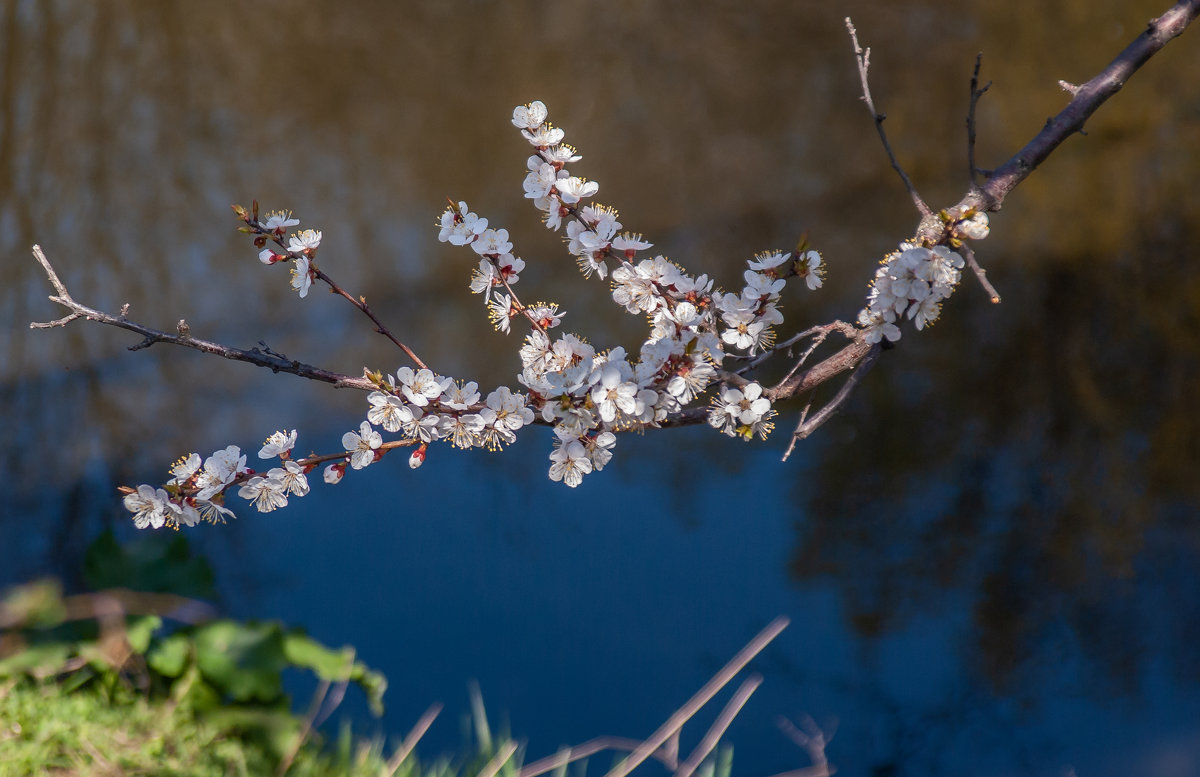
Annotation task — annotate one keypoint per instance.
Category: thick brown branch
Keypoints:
(846, 359)
(809, 425)
(1084, 102)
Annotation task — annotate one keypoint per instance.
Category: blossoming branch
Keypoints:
(588, 395)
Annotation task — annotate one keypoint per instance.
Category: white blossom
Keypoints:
(571, 462)
(219, 470)
(279, 221)
(183, 469)
(277, 444)
(265, 493)
(302, 275)
(460, 396)
(422, 386)
(291, 477)
(810, 269)
(541, 178)
(460, 226)
(361, 445)
(385, 410)
(150, 507)
(572, 190)
(742, 412)
(529, 116)
(629, 244)
(544, 136)
(212, 512)
(560, 155)
(463, 431)
(492, 242)
(306, 241)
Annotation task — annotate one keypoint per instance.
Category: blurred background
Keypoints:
(989, 558)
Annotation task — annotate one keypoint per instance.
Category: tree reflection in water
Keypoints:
(1037, 459)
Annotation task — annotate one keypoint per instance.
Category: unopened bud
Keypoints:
(418, 457)
(334, 472)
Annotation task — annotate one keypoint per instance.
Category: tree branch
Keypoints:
(809, 425)
(863, 58)
(859, 355)
(1086, 98)
(255, 356)
(977, 92)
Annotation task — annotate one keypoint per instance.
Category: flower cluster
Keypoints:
(425, 407)
(588, 394)
(585, 394)
(300, 250)
(910, 282)
(914, 281)
(196, 490)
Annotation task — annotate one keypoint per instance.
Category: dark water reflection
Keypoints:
(989, 558)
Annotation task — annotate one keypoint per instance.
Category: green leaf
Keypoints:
(37, 660)
(374, 685)
(242, 660)
(140, 629)
(326, 663)
(336, 666)
(192, 692)
(170, 656)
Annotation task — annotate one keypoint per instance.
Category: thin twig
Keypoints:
(334, 701)
(693, 705)
(863, 57)
(821, 331)
(717, 730)
(306, 727)
(813, 740)
(256, 227)
(418, 730)
(980, 273)
(589, 748)
(151, 336)
(361, 304)
(670, 751)
(493, 766)
(809, 425)
(512, 295)
(976, 92)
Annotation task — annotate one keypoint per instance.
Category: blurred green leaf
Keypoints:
(327, 663)
(36, 660)
(169, 657)
(243, 661)
(140, 629)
